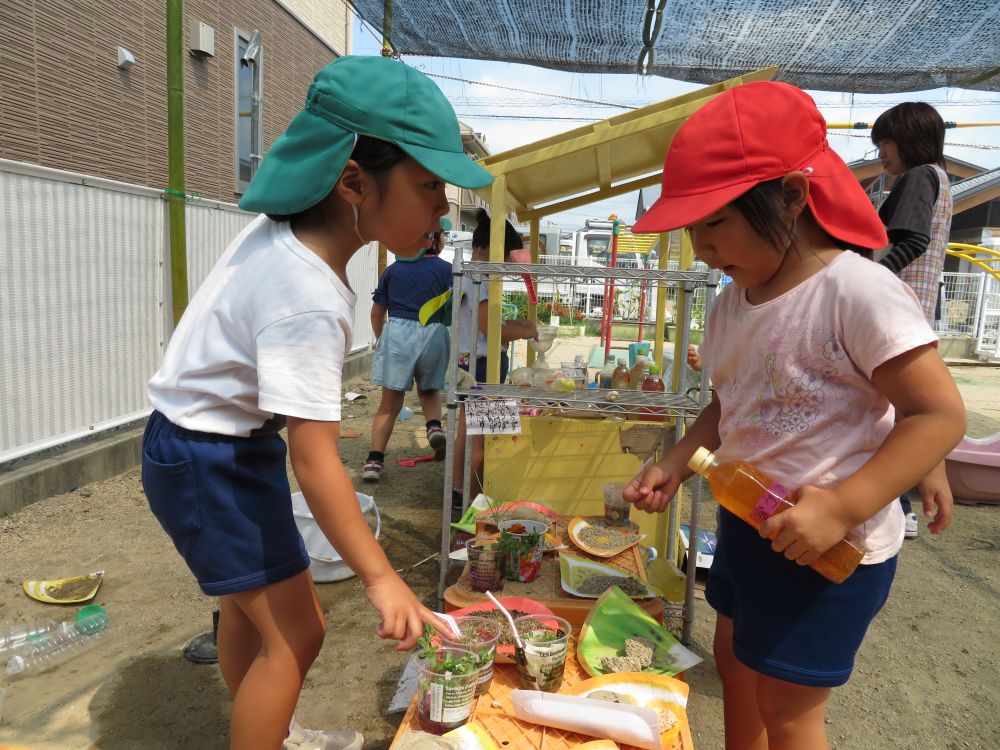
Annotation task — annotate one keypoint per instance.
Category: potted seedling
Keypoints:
(521, 544)
(446, 683)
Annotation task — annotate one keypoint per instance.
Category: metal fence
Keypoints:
(84, 278)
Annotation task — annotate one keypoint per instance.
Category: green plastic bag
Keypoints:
(615, 618)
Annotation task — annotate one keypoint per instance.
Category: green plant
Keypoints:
(519, 543)
(437, 661)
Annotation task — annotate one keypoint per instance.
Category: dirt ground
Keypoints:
(926, 676)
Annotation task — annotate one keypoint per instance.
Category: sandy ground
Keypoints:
(925, 677)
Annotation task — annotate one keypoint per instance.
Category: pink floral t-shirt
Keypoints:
(793, 378)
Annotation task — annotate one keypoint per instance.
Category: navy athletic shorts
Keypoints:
(788, 621)
(226, 504)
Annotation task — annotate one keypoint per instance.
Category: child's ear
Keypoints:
(794, 192)
(352, 183)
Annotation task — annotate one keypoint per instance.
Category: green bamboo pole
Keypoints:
(175, 157)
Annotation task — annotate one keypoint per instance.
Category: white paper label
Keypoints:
(492, 417)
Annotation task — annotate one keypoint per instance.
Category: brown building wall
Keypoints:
(65, 104)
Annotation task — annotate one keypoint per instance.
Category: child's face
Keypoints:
(410, 209)
(888, 154)
(726, 241)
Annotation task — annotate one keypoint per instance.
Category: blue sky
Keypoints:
(513, 118)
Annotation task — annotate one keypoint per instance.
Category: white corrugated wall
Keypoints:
(84, 302)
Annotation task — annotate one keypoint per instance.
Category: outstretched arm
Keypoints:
(330, 496)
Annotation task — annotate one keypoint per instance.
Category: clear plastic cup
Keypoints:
(445, 696)
(546, 643)
(480, 636)
(485, 564)
(616, 509)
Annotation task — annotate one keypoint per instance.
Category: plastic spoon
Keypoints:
(519, 654)
(451, 623)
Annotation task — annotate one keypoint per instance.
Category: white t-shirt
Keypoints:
(793, 378)
(265, 334)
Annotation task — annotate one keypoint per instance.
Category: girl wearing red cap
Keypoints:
(263, 343)
(826, 378)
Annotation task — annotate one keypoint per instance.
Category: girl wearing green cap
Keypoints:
(263, 343)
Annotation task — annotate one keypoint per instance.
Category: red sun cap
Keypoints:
(751, 134)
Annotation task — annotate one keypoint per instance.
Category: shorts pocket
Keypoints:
(172, 495)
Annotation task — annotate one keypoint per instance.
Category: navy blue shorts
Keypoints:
(225, 503)
(788, 621)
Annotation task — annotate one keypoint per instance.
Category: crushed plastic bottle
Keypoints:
(13, 637)
(64, 642)
(405, 413)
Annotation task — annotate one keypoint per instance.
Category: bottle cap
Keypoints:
(655, 369)
(701, 461)
(91, 619)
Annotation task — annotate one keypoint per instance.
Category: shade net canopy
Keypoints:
(833, 45)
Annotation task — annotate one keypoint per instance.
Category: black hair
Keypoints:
(917, 130)
(377, 157)
(481, 236)
(759, 207)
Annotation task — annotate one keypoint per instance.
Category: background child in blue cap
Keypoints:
(407, 350)
(264, 340)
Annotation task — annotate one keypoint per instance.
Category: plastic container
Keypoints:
(638, 372)
(480, 636)
(13, 637)
(325, 563)
(621, 379)
(523, 542)
(405, 413)
(754, 496)
(605, 375)
(546, 643)
(653, 383)
(616, 508)
(444, 698)
(64, 642)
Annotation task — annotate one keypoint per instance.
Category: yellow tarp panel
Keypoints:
(593, 159)
(636, 243)
(563, 463)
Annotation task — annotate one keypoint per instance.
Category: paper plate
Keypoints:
(599, 745)
(614, 619)
(471, 737)
(505, 654)
(619, 538)
(648, 691)
(574, 570)
(65, 590)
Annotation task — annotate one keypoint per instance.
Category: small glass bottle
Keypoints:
(604, 376)
(640, 368)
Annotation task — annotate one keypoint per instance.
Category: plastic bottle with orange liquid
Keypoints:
(754, 496)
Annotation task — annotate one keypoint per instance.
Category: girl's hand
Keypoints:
(694, 358)
(809, 528)
(653, 488)
(403, 616)
(939, 504)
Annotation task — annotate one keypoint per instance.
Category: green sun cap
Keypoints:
(359, 95)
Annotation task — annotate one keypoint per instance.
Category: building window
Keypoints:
(249, 66)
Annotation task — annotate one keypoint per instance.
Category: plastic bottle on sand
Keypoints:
(61, 644)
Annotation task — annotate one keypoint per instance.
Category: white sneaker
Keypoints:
(311, 739)
(912, 528)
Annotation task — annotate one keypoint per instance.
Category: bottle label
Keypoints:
(769, 502)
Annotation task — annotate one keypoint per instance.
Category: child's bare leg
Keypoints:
(237, 644)
(289, 619)
(744, 727)
(793, 714)
(385, 418)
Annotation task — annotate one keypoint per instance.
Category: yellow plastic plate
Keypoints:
(471, 737)
(65, 590)
(618, 538)
(646, 690)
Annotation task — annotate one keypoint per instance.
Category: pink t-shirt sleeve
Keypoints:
(881, 319)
